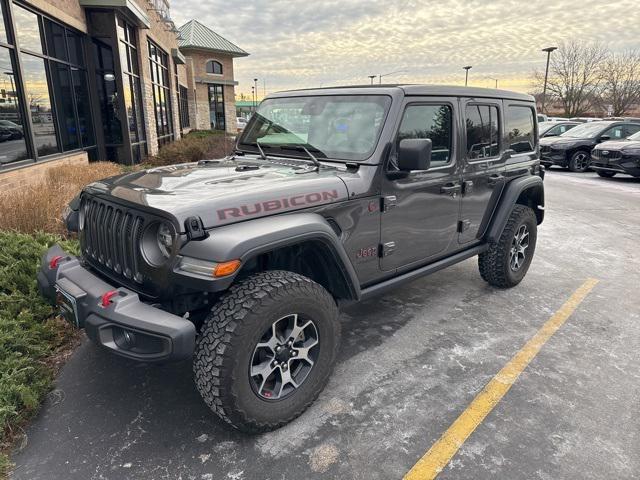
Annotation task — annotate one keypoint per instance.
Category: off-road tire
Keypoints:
(233, 328)
(606, 174)
(494, 263)
(579, 161)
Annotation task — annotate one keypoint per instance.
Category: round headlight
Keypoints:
(165, 239)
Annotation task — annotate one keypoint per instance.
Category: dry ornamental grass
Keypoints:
(38, 206)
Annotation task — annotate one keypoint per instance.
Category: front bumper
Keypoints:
(126, 325)
(629, 167)
(554, 157)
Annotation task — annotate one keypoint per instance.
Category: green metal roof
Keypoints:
(195, 35)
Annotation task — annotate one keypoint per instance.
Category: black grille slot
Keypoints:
(111, 237)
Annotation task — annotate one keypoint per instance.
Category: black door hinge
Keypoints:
(388, 203)
(387, 249)
(467, 187)
(463, 225)
(195, 228)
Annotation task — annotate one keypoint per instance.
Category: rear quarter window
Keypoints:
(520, 122)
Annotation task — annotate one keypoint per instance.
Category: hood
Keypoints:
(565, 141)
(618, 145)
(226, 191)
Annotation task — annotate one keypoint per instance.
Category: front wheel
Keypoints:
(605, 173)
(579, 161)
(506, 262)
(266, 350)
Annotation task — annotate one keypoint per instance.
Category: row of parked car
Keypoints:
(609, 146)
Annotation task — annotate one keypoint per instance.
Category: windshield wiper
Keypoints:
(299, 147)
(262, 154)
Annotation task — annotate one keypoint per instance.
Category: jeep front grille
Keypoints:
(110, 238)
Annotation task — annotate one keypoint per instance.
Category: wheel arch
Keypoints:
(528, 191)
(304, 243)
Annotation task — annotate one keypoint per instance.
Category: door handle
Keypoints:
(451, 189)
(493, 179)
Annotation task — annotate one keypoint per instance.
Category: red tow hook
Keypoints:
(53, 263)
(105, 300)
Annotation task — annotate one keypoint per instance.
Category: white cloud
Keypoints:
(301, 43)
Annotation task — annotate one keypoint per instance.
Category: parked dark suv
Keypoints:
(573, 148)
(333, 196)
(622, 156)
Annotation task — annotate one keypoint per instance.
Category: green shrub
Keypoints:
(30, 336)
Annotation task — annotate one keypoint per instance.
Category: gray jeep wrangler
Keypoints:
(331, 196)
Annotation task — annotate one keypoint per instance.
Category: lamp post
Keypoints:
(466, 74)
(255, 84)
(546, 75)
(253, 97)
(371, 77)
(495, 79)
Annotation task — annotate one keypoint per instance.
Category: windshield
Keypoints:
(340, 127)
(544, 127)
(585, 130)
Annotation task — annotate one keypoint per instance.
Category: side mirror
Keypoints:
(414, 154)
(604, 138)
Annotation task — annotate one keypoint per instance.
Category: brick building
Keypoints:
(105, 80)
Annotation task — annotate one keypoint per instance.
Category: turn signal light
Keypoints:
(226, 268)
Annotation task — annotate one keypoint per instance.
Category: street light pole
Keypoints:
(496, 80)
(546, 76)
(387, 74)
(466, 74)
(255, 84)
(371, 77)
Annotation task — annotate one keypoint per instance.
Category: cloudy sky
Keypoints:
(307, 43)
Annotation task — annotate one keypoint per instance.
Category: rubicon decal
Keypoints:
(278, 204)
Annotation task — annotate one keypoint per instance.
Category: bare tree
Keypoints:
(621, 82)
(575, 76)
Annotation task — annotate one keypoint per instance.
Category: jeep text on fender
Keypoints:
(332, 196)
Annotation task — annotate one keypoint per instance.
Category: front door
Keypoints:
(420, 209)
(484, 164)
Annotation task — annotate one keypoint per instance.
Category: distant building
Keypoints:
(107, 80)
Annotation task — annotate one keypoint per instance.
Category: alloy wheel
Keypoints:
(581, 161)
(284, 357)
(519, 245)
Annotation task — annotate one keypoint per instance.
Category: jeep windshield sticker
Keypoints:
(277, 204)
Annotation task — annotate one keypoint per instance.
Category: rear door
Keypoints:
(483, 164)
(420, 209)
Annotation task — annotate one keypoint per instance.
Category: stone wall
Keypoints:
(33, 172)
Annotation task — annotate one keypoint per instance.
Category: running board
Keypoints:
(382, 287)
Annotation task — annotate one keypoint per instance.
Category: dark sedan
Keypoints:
(572, 149)
(555, 129)
(613, 157)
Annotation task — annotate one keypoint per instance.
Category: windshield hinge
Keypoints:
(195, 228)
(388, 202)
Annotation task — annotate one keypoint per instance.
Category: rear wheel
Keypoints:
(266, 350)
(605, 173)
(579, 161)
(506, 262)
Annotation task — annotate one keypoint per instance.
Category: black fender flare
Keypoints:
(513, 191)
(246, 240)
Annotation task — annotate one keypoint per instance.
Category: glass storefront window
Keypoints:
(216, 107)
(159, 65)
(61, 82)
(3, 29)
(27, 29)
(39, 104)
(55, 39)
(81, 92)
(12, 142)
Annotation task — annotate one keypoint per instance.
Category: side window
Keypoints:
(433, 122)
(214, 67)
(520, 129)
(482, 131)
(615, 132)
(631, 129)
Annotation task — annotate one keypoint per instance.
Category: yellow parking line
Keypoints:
(439, 455)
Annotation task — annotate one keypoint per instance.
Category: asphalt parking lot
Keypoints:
(410, 363)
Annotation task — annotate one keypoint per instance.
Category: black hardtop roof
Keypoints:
(411, 90)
